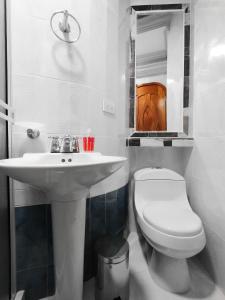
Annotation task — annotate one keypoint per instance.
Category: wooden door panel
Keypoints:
(151, 107)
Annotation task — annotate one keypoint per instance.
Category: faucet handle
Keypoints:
(55, 145)
(75, 145)
(66, 146)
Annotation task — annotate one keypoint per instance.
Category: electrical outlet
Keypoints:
(108, 107)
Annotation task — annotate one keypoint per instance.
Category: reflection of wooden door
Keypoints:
(151, 107)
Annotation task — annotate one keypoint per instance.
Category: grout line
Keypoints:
(69, 82)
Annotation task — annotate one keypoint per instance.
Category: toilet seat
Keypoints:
(173, 218)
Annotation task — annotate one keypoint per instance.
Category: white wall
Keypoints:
(205, 172)
(158, 78)
(175, 73)
(151, 41)
(62, 85)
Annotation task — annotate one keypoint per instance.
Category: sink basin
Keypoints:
(66, 179)
(61, 173)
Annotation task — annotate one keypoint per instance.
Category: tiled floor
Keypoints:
(142, 287)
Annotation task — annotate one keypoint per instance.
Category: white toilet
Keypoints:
(169, 225)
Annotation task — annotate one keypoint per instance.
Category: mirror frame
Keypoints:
(187, 113)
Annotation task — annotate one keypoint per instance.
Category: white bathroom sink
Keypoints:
(61, 172)
(66, 179)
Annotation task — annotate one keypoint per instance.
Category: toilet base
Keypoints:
(170, 273)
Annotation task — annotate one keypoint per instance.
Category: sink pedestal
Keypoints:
(68, 239)
(66, 178)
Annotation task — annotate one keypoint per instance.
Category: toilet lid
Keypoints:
(172, 218)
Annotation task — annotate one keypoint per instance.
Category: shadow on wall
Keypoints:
(76, 69)
(172, 158)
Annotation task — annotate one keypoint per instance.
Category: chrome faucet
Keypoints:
(66, 146)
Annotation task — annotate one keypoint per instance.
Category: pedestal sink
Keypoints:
(66, 179)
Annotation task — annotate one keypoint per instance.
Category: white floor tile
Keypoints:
(142, 287)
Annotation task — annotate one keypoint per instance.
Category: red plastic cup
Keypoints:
(92, 144)
(88, 144)
(85, 144)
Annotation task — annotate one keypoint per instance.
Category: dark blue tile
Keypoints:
(50, 236)
(187, 51)
(187, 66)
(131, 70)
(140, 134)
(132, 57)
(132, 88)
(157, 7)
(142, 7)
(31, 237)
(122, 198)
(134, 142)
(152, 134)
(34, 282)
(166, 6)
(111, 197)
(98, 229)
(107, 215)
(89, 263)
(50, 281)
(98, 222)
(131, 113)
(88, 222)
(89, 245)
(186, 91)
(168, 143)
(112, 214)
(122, 206)
(187, 36)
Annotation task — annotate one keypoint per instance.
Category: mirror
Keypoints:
(158, 49)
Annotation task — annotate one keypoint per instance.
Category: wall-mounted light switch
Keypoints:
(108, 107)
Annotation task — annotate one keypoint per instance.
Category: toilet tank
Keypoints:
(153, 184)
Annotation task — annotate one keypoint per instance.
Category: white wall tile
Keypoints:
(170, 158)
(63, 86)
(208, 202)
(206, 165)
(41, 53)
(42, 100)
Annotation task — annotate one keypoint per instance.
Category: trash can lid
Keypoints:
(112, 250)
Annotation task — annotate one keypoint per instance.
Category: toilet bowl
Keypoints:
(169, 225)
